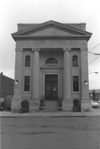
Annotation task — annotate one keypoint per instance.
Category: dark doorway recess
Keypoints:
(51, 87)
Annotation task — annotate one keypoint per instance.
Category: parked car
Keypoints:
(95, 104)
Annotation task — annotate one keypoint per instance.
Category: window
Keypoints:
(27, 83)
(75, 84)
(75, 61)
(51, 60)
(27, 61)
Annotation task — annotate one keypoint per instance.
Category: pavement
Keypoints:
(94, 112)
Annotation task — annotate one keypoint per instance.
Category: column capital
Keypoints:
(36, 49)
(19, 49)
(67, 49)
(83, 49)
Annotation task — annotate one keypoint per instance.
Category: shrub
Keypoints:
(76, 105)
(24, 106)
(42, 104)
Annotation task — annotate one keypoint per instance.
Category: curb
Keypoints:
(42, 114)
(50, 114)
(47, 114)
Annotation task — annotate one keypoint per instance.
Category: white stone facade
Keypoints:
(51, 40)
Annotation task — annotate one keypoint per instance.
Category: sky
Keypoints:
(13, 12)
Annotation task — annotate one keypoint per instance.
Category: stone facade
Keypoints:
(53, 49)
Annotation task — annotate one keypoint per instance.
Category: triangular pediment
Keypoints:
(50, 29)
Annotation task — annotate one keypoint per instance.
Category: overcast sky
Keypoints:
(13, 12)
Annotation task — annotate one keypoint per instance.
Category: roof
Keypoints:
(3, 76)
(25, 30)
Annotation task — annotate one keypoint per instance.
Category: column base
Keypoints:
(67, 105)
(34, 105)
(16, 104)
(86, 105)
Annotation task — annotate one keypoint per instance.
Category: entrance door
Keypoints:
(51, 87)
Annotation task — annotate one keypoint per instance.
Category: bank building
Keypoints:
(51, 64)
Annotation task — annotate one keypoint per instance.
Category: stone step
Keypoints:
(50, 106)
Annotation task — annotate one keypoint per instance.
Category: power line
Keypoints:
(94, 60)
(94, 47)
(94, 53)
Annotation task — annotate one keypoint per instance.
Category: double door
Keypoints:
(51, 87)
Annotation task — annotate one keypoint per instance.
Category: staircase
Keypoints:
(51, 106)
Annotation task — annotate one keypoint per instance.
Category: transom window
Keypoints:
(75, 61)
(27, 61)
(51, 60)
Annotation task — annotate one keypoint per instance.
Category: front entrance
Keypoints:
(51, 87)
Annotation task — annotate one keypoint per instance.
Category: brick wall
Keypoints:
(6, 86)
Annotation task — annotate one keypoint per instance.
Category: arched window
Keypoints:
(75, 61)
(51, 60)
(27, 61)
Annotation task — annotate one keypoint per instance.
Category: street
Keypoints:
(50, 132)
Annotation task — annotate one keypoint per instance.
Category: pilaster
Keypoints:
(85, 102)
(16, 101)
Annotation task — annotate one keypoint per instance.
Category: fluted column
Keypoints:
(36, 68)
(67, 102)
(67, 82)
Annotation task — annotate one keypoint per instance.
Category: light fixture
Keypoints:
(85, 82)
(16, 82)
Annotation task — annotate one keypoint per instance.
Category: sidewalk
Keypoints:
(95, 112)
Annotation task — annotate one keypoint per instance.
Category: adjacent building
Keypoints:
(51, 64)
(6, 90)
(6, 86)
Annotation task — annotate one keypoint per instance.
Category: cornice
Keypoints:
(72, 37)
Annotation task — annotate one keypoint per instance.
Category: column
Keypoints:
(36, 69)
(35, 101)
(85, 103)
(16, 101)
(67, 102)
(67, 81)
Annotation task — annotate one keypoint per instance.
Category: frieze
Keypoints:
(22, 42)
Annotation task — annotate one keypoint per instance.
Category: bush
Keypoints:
(24, 106)
(42, 104)
(76, 105)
